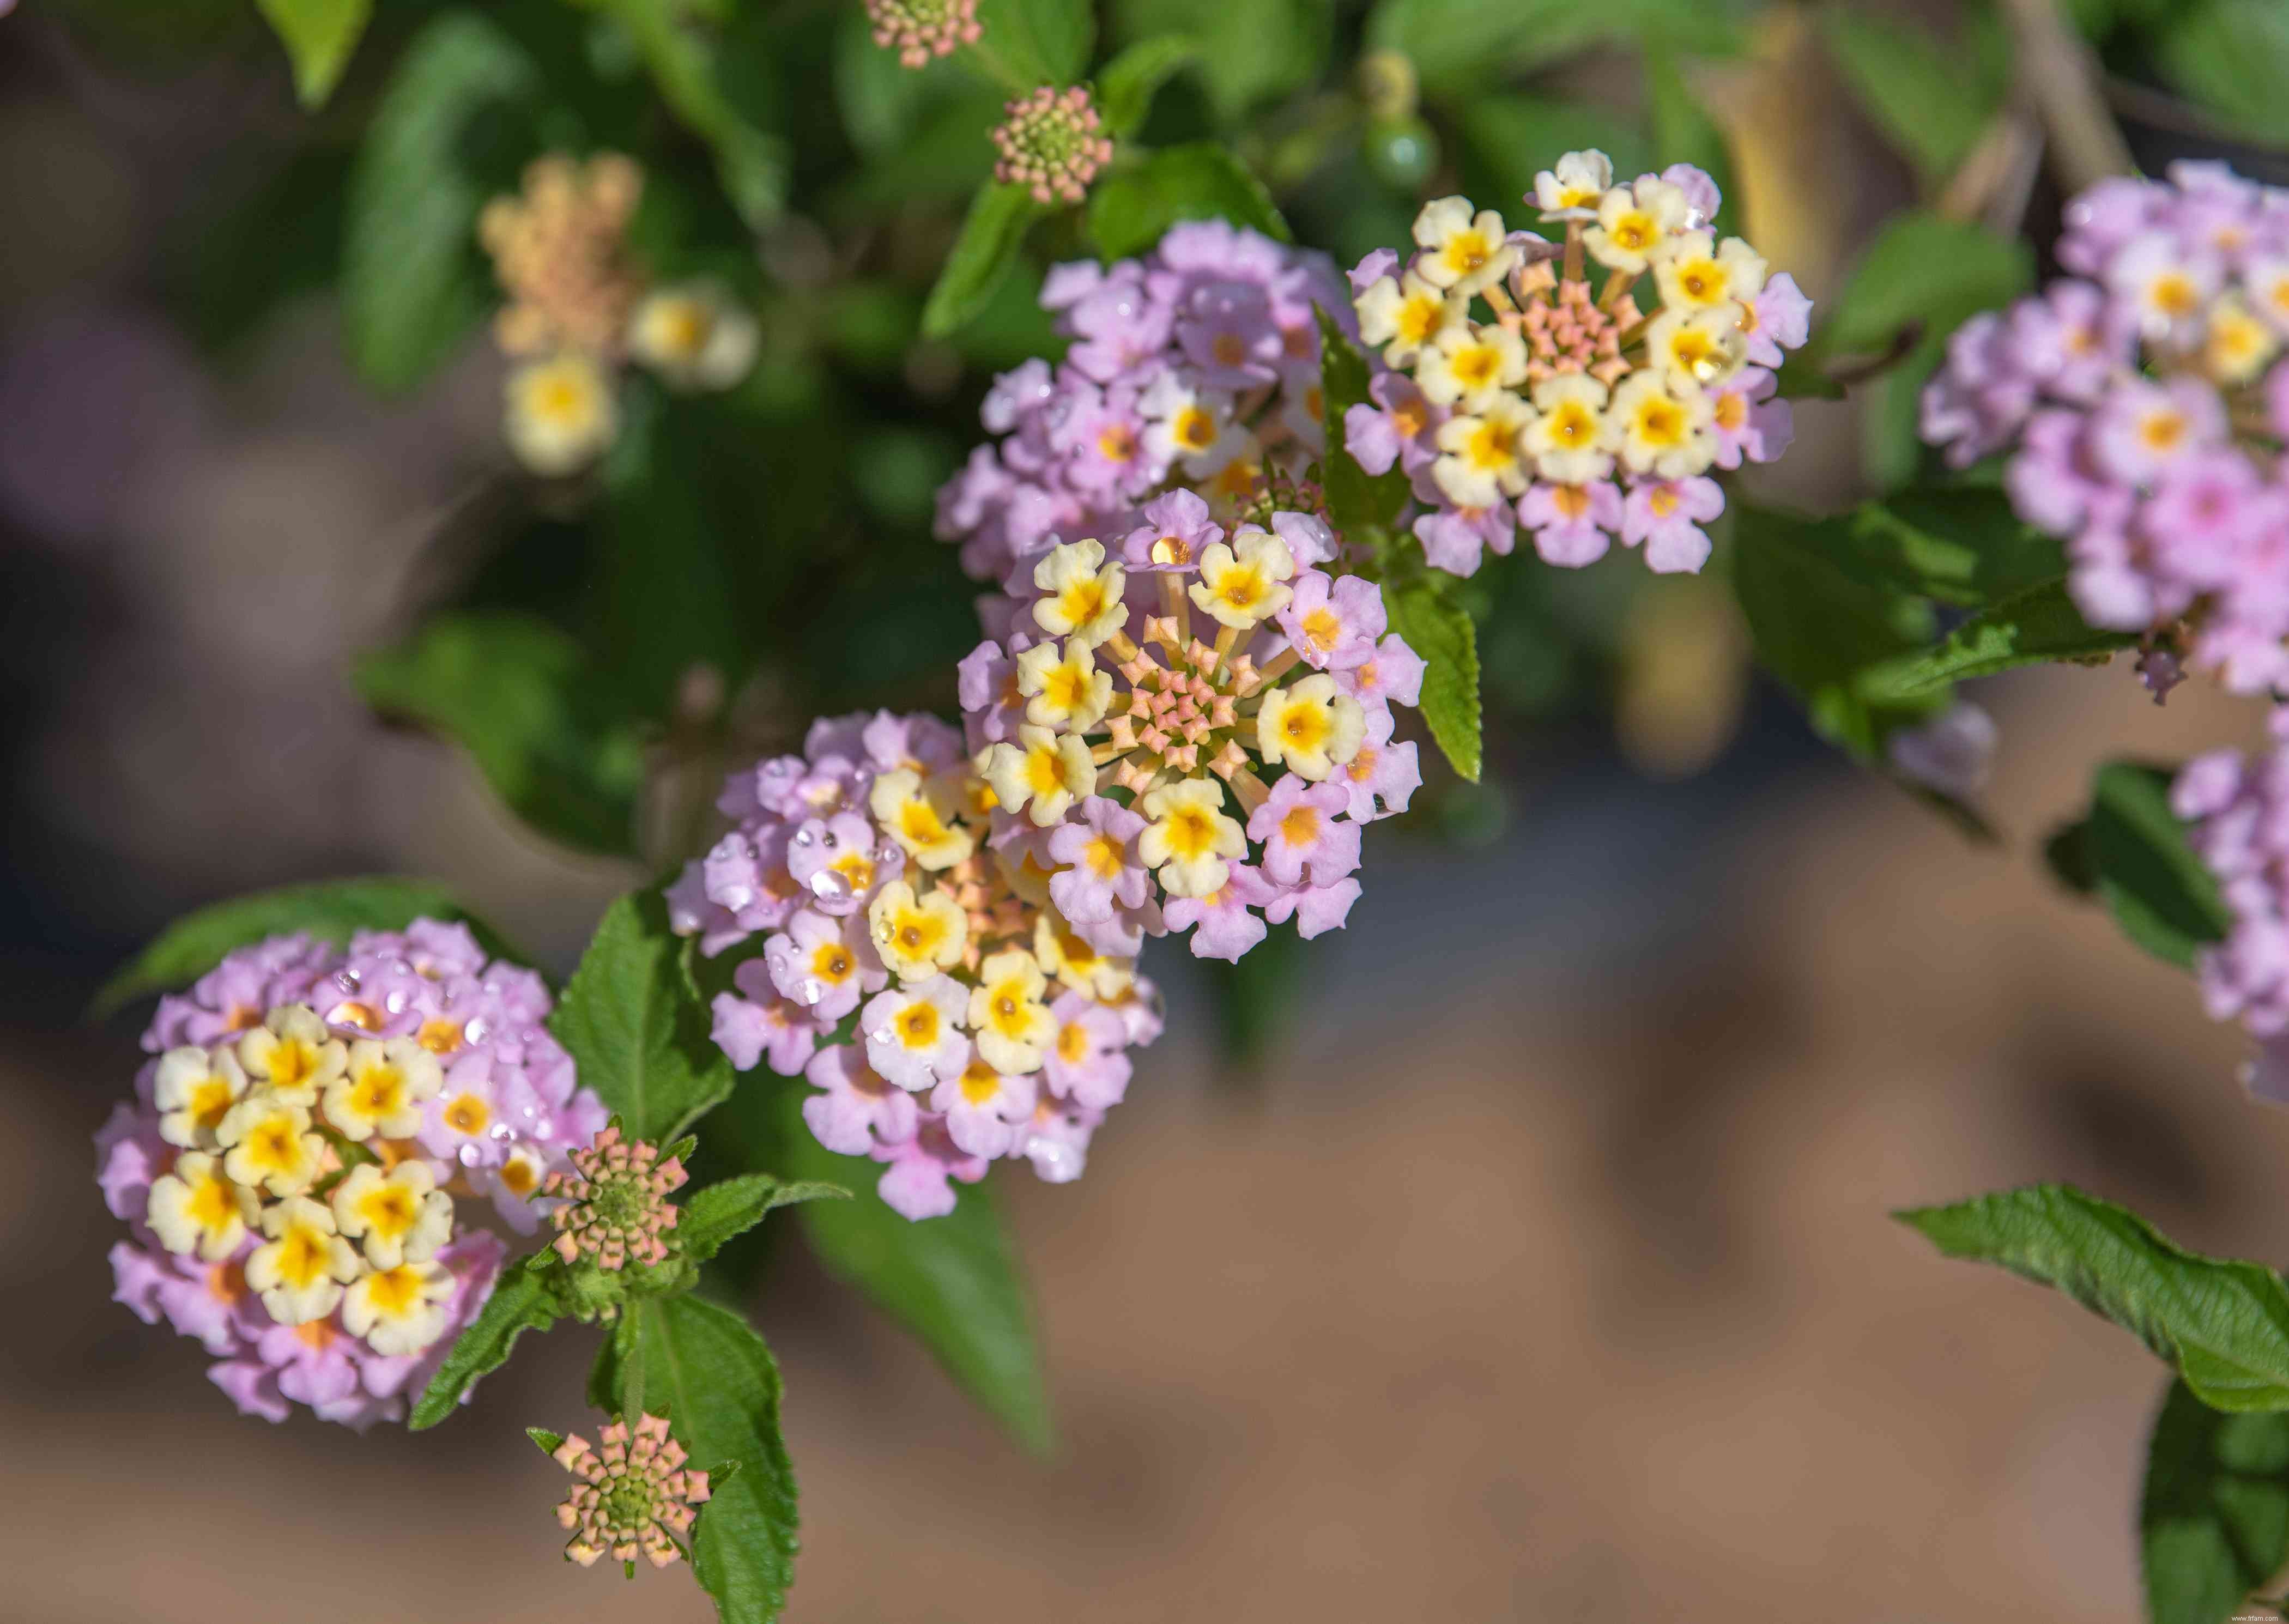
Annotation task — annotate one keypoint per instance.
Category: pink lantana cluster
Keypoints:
(1574, 408)
(2145, 401)
(290, 1163)
(1049, 142)
(981, 1023)
(631, 1493)
(1189, 731)
(612, 1207)
(921, 29)
(2237, 811)
(1196, 365)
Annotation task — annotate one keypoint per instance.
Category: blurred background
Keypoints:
(1533, 1261)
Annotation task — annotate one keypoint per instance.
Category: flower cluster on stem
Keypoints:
(921, 29)
(632, 1494)
(1049, 142)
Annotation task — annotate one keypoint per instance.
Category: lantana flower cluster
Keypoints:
(1196, 365)
(2237, 812)
(1049, 142)
(1578, 407)
(2144, 400)
(1190, 732)
(916, 971)
(579, 305)
(921, 29)
(632, 1493)
(291, 1166)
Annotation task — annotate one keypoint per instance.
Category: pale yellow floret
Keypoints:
(1245, 584)
(194, 1089)
(1067, 955)
(1482, 455)
(1062, 687)
(1697, 349)
(1310, 726)
(270, 1145)
(1661, 430)
(1462, 252)
(399, 1310)
(1569, 439)
(1405, 313)
(1471, 366)
(1008, 1020)
(924, 817)
(383, 1088)
(695, 337)
(1693, 276)
(198, 1208)
(1042, 774)
(1575, 186)
(2236, 345)
(1082, 591)
(394, 1215)
(560, 413)
(916, 937)
(301, 1272)
(1189, 839)
(1634, 222)
(292, 1054)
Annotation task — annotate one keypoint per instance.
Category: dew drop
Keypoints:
(470, 1155)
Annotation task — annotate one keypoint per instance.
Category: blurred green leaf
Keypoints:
(1359, 503)
(1683, 132)
(992, 233)
(881, 100)
(412, 284)
(522, 1301)
(249, 252)
(705, 1369)
(636, 1024)
(1438, 629)
(319, 36)
(546, 729)
(697, 76)
(948, 154)
(1961, 545)
(2231, 56)
(2214, 1520)
(1251, 51)
(2039, 625)
(1454, 44)
(1131, 208)
(736, 1204)
(1126, 87)
(328, 909)
(1040, 42)
(1512, 138)
(1258, 998)
(954, 1281)
(1932, 100)
(2224, 1325)
(2161, 895)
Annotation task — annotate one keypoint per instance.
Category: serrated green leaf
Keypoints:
(1252, 51)
(2161, 895)
(1357, 500)
(954, 1281)
(2231, 56)
(1126, 87)
(1129, 211)
(992, 233)
(2224, 1325)
(1037, 42)
(605, 1381)
(522, 1301)
(1440, 630)
(328, 909)
(548, 1443)
(545, 727)
(1932, 100)
(632, 1019)
(2213, 1519)
(412, 284)
(2037, 625)
(715, 1380)
(320, 36)
(721, 1211)
(1960, 544)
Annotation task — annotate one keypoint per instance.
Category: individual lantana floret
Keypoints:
(2143, 400)
(383, 1081)
(614, 1209)
(695, 337)
(921, 29)
(947, 941)
(1049, 143)
(1572, 392)
(562, 415)
(632, 1494)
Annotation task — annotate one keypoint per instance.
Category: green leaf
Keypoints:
(1440, 630)
(330, 910)
(2232, 56)
(992, 233)
(2224, 1325)
(692, 68)
(1131, 210)
(1358, 501)
(721, 1211)
(548, 730)
(547, 1442)
(2213, 1521)
(1037, 42)
(412, 284)
(1932, 100)
(635, 1023)
(1127, 86)
(2163, 895)
(716, 1383)
(1454, 44)
(521, 1301)
(954, 1281)
(1683, 132)
(1818, 621)
(1251, 51)
(319, 36)
(2039, 625)
(1959, 544)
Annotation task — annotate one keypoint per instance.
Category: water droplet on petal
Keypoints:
(470, 1155)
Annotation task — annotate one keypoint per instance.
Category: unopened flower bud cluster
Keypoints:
(632, 1493)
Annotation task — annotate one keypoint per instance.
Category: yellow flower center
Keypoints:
(226, 1282)
(1663, 500)
(1466, 251)
(1191, 832)
(1475, 367)
(1300, 825)
(1636, 233)
(1073, 1042)
(303, 1256)
(918, 1025)
(1304, 726)
(1117, 443)
(293, 1063)
(1702, 282)
(468, 1114)
(212, 1204)
(1421, 317)
(1732, 410)
(1661, 422)
(519, 1178)
(832, 961)
(439, 1036)
(1193, 429)
(2162, 430)
(1573, 425)
(389, 1210)
(1490, 446)
(379, 1091)
(2175, 295)
(979, 1082)
(1104, 857)
(209, 1102)
(1571, 501)
(1322, 629)
(393, 1293)
(1228, 349)
(351, 1013)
